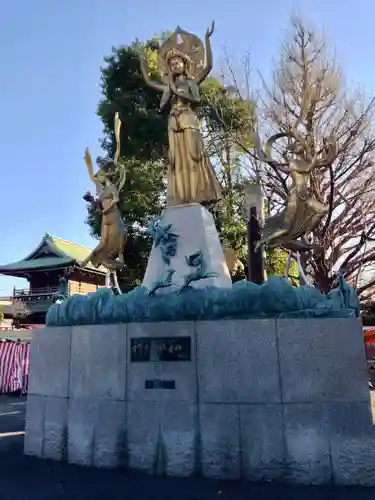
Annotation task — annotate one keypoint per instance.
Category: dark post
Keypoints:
(252, 211)
(255, 264)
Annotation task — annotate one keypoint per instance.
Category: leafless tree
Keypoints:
(307, 90)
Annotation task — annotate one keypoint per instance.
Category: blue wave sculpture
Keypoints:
(276, 298)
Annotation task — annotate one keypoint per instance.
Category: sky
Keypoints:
(51, 52)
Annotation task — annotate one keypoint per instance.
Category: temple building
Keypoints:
(52, 259)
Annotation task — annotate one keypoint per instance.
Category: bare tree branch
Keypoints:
(307, 93)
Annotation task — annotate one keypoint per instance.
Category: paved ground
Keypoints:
(24, 478)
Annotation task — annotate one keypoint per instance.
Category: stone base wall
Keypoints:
(259, 400)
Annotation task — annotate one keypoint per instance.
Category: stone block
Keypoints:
(82, 418)
(56, 429)
(98, 362)
(352, 440)
(237, 361)
(162, 437)
(262, 442)
(306, 433)
(34, 430)
(110, 435)
(316, 429)
(49, 362)
(183, 373)
(142, 435)
(220, 441)
(322, 360)
(179, 433)
(196, 232)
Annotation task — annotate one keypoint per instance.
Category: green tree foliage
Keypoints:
(1, 313)
(143, 132)
(275, 264)
(143, 149)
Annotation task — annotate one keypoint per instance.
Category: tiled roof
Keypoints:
(74, 251)
(52, 252)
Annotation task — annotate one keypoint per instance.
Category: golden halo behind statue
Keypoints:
(187, 44)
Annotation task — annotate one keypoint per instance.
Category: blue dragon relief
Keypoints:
(166, 240)
(197, 261)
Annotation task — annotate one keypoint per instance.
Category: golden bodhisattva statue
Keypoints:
(183, 66)
(109, 181)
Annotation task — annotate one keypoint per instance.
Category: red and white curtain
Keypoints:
(14, 366)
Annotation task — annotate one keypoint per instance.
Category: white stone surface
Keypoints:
(196, 229)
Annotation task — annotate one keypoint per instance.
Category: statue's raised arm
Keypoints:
(205, 71)
(326, 156)
(266, 156)
(145, 72)
(90, 167)
(121, 170)
(117, 128)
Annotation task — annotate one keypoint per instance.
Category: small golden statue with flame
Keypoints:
(109, 181)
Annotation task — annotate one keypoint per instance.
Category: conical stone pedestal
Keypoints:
(186, 245)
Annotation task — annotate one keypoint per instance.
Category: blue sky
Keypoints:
(51, 52)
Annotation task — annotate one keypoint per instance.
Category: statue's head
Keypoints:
(105, 172)
(101, 176)
(297, 148)
(177, 66)
(179, 63)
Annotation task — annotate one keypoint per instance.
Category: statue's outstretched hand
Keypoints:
(210, 30)
(88, 196)
(87, 157)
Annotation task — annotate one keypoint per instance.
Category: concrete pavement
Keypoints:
(12, 425)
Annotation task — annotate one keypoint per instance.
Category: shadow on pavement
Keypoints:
(27, 478)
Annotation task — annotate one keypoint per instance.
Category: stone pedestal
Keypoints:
(268, 399)
(195, 232)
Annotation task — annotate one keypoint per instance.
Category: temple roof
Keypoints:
(51, 253)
